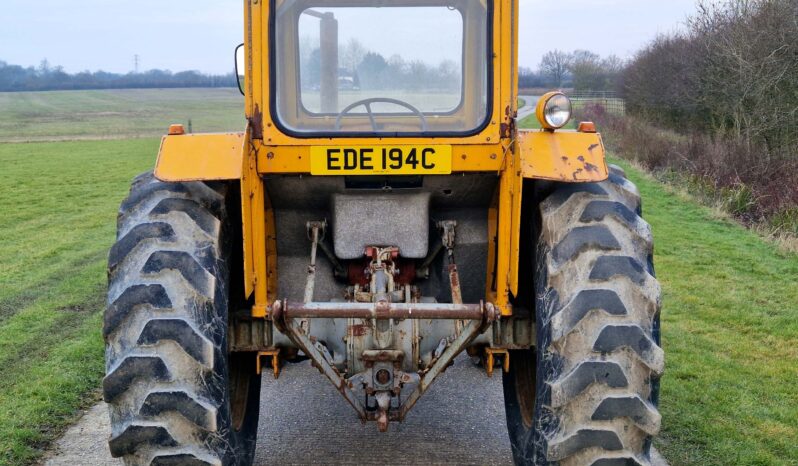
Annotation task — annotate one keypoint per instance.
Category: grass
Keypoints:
(531, 122)
(730, 316)
(58, 204)
(116, 114)
(730, 332)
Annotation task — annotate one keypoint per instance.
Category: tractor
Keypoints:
(381, 214)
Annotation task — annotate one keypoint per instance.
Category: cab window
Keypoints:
(363, 68)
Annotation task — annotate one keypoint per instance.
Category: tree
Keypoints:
(554, 66)
(527, 79)
(449, 75)
(352, 54)
(732, 74)
(311, 70)
(44, 67)
(397, 69)
(372, 71)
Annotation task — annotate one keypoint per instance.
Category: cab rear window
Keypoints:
(354, 67)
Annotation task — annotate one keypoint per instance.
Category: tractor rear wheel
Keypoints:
(587, 394)
(175, 394)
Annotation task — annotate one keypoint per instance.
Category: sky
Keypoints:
(202, 34)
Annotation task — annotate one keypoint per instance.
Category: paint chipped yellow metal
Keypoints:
(566, 156)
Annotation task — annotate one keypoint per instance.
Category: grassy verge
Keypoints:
(58, 203)
(734, 176)
(730, 331)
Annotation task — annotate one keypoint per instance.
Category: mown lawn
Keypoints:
(58, 205)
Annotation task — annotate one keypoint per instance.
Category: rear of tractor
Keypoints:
(381, 215)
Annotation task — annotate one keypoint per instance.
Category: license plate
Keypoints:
(381, 160)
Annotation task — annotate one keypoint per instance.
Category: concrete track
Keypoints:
(304, 421)
(530, 102)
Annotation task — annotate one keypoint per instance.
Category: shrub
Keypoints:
(723, 171)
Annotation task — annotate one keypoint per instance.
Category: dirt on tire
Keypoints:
(168, 371)
(598, 358)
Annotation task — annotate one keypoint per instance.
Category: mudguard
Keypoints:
(566, 156)
(200, 157)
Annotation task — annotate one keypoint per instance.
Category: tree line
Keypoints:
(14, 78)
(733, 73)
(715, 107)
(372, 70)
(580, 69)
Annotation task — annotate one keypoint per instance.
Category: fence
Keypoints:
(607, 99)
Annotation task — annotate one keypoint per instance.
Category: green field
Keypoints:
(58, 205)
(730, 316)
(116, 114)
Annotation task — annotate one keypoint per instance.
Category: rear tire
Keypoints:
(175, 394)
(588, 394)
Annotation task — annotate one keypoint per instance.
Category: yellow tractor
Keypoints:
(382, 214)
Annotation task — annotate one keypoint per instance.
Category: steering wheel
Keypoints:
(367, 103)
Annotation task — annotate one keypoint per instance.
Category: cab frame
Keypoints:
(499, 147)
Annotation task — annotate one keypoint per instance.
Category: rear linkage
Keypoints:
(383, 379)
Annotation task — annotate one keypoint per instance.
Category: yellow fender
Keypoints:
(200, 157)
(567, 156)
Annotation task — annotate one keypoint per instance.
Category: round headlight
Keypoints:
(554, 110)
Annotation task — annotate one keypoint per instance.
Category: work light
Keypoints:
(554, 110)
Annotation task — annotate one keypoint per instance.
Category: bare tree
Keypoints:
(750, 51)
(554, 66)
(352, 54)
(733, 76)
(586, 69)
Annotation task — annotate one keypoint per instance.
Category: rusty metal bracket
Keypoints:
(490, 355)
(286, 319)
(275, 355)
(448, 236)
(447, 228)
(294, 330)
(471, 331)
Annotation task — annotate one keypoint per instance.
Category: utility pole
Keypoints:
(136, 61)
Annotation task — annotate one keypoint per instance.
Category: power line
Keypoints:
(136, 62)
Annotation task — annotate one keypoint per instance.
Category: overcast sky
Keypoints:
(201, 34)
